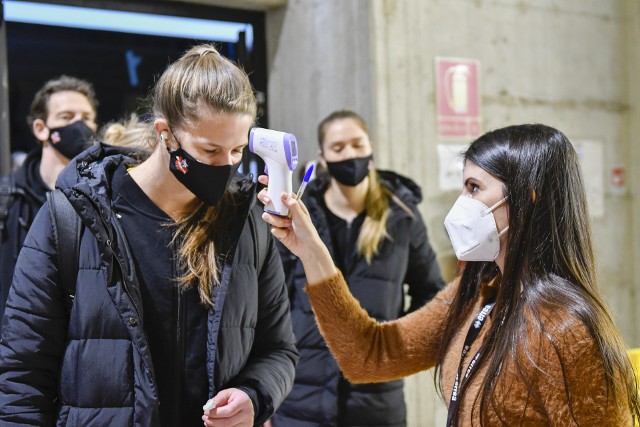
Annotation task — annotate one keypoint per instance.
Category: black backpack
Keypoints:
(66, 236)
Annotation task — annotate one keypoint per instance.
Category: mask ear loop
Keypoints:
(164, 136)
(496, 205)
(175, 139)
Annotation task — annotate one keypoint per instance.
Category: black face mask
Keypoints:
(350, 172)
(208, 183)
(72, 139)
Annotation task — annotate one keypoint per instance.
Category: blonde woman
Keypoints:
(370, 222)
(174, 304)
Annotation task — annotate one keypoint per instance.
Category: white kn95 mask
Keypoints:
(472, 229)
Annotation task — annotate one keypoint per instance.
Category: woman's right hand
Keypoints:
(300, 236)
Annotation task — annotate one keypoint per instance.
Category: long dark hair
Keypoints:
(549, 263)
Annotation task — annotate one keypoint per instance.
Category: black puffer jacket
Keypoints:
(94, 368)
(28, 196)
(320, 396)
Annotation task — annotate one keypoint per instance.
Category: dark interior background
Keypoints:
(37, 53)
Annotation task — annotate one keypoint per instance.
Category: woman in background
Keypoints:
(523, 337)
(370, 222)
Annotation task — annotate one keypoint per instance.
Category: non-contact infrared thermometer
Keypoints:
(279, 150)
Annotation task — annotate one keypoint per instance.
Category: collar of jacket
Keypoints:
(402, 187)
(24, 175)
(87, 184)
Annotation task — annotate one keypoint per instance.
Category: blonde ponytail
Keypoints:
(374, 228)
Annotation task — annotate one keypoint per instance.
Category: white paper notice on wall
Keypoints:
(591, 154)
(450, 162)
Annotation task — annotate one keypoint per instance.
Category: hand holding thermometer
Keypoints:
(279, 150)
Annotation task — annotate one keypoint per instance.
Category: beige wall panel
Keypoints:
(631, 160)
(559, 63)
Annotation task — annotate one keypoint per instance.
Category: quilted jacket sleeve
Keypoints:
(33, 332)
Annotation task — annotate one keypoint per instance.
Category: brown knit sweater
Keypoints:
(368, 351)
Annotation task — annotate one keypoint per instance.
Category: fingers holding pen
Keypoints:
(296, 207)
(281, 229)
(300, 204)
(303, 240)
(300, 236)
(296, 231)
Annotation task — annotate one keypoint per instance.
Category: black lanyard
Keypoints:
(474, 331)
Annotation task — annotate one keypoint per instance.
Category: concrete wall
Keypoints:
(632, 160)
(556, 62)
(319, 60)
(572, 65)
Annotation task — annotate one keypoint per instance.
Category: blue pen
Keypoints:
(305, 181)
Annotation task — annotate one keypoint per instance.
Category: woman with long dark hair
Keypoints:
(523, 336)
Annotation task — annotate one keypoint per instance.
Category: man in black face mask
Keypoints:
(63, 120)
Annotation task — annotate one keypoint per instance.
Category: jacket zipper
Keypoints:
(179, 351)
(348, 260)
(107, 227)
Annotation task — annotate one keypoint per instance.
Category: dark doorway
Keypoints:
(122, 66)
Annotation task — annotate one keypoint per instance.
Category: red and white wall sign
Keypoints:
(458, 98)
(617, 176)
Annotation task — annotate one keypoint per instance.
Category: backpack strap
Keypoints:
(66, 235)
(260, 240)
(8, 192)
